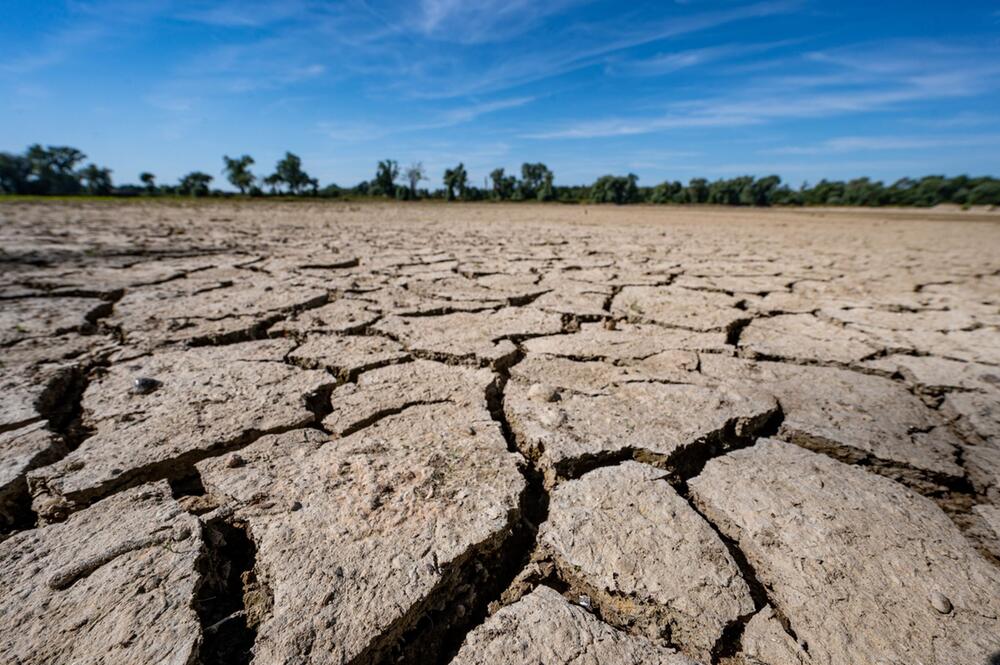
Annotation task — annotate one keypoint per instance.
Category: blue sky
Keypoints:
(667, 90)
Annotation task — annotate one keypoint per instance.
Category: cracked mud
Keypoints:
(372, 434)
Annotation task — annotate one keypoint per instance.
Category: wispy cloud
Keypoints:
(244, 14)
(673, 61)
(440, 119)
(482, 21)
(578, 46)
(849, 144)
(887, 83)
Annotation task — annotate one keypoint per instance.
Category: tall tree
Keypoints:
(414, 174)
(546, 191)
(385, 177)
(149, 180)
(195, 184)
(289, 171)
(615, 189)
(456, 181)
(533, 178)
(14, 173)
(503, 185)
(238, 172)
(52, 169)
(97, 180)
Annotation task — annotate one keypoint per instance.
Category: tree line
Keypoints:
(60, 170)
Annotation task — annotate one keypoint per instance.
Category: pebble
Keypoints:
(234, 461)
(541, 392)
(144, 385)
(940, 602)
(294, 505)
(553, 417)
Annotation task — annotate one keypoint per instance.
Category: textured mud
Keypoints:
(341, 434)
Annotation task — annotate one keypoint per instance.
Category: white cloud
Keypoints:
(441, 119)
(849, 144)
(890, 83)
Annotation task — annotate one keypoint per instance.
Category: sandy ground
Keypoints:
(343, 433)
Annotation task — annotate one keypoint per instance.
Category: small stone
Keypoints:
(144, 385)
(553, 417)
(584, 601)
(234, 461)
(541, 392)
(182, 533)
(940, 602)
(295, 505)
(610, 324)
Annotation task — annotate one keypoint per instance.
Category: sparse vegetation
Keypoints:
(54, 171)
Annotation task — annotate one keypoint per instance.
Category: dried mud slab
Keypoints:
(491, 290)
(622, 536)
(203, 401)
(561, 423)
(393, 389)
(29, 318)
(805, 338)
(401, 301)
(211, 307)
(765, 642)
(115, 583)
(865, 570)
(573, 297)
(40, 378)
(543, 628)
(939, 375)
(732, 284)
(929, 320)
(346, 356)
(852, 416)
(480, 337)
(678, 307)
(626, 342)
(341, 316)
(360, 537)
(978, 415)
(976, 346)
(22, 450)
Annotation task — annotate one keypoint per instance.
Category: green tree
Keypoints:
(985, 193)
(195, 184)
(238, 172)
(149, 180)
(97, 180)
(52, 169)
(533, 179)
(615, 189)
(414, 174)
(385, 177)
(545, 190)
(289, 171)
(697, 190)
(272, 182)
(667, 192)
(14, 173)
(456, 181)
(503, 185)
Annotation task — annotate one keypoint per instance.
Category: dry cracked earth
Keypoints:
(498, 434)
